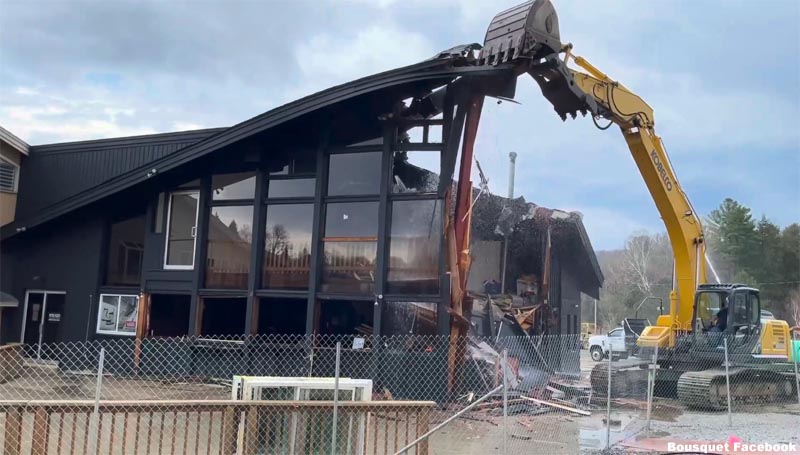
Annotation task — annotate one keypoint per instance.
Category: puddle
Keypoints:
(593, 429)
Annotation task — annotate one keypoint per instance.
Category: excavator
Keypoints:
(691, 357)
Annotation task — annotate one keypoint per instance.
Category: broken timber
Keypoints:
(559, 406)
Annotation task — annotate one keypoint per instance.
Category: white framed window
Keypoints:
(9, 176)
(179, 247)
(118, 314)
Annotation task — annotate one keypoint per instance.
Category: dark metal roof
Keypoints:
(434, 72)
(54, 173)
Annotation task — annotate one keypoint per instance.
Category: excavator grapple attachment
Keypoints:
(529, 30)
(558, 86)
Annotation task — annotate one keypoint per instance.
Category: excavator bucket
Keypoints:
(529, 30)
(527, 35)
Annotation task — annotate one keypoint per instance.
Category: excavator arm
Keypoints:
(527, 37)
(609, 101)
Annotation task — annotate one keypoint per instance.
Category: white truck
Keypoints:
(620, 342)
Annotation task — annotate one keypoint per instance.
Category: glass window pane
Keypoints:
(415, 172)
(349, 267)
(233, 186)
(292, 188)
(125, 251)
(405, 318)
(107, 321)
(128, 313)
(292, 162)
(230, 235)
(354, 173)
(414, 242)
(181, 230)
(352, 219)
(287, 246)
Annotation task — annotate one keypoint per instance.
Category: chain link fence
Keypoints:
(387, 395)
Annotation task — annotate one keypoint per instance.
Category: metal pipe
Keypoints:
(796, 375)
(97, 392)
(336, 398)
(651, 384)
(608, 400)
(448, 420)
(505, 401)
(728, 383)
(512, 157)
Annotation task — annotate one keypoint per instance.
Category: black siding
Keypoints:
(54, 173)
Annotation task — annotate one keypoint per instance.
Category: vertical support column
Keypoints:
(384, 216)
(201, 247)
(458, 246)
(316, 234)
(651, 383)
(256, 254)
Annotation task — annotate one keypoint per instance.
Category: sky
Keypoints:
(723, 78)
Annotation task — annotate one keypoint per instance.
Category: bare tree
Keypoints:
(277, 240)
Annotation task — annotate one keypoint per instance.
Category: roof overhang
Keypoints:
(15, 142)
(8, 301)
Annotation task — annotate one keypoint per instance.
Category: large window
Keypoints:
(233, 186)
(287, 246)
(354, 174)
(125, 252)
(181, 230)
(230, 238)
(282, 316)
(414, 244)
(350, 247)
(118, 314)
(415, 172)
(223, 316)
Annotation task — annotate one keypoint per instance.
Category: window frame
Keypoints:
(116, 332)
(15, 185)
(194, 237)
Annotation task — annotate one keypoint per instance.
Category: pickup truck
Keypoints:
(621, 341)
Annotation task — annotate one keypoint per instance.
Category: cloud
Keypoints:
(726, 107)
(326, 59)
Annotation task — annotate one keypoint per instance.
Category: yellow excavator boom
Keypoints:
(635, 119)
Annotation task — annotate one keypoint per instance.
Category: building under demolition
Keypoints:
(333, 214)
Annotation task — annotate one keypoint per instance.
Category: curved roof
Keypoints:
(373, 94)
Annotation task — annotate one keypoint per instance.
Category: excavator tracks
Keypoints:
(627, 378)
(706, 389)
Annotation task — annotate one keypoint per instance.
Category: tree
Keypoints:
(732, 236)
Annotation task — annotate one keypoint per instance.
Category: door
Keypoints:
(616, 338)
(44, 313)
(181, 230)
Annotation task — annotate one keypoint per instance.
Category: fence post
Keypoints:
(608, 400)
(651, 385)
(336, 398)
(95, 421)
(728, 382)
(505, 402)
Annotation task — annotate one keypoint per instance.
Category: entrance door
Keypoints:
(44, 312)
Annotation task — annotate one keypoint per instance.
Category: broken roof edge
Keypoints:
(575, 219)
(444, 67)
